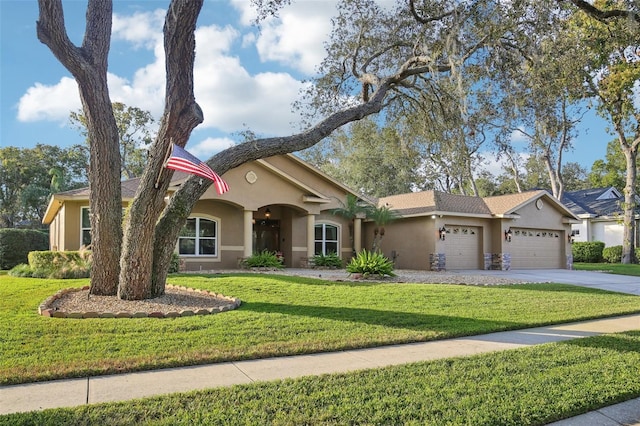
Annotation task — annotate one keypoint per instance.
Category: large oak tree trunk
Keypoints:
(181, 115)
(628, 240)
(88, 64)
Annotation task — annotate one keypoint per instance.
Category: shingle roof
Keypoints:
(506, 204)
(129, 187)
(460, 204)
(586, 202)
(425, 202)
(428, 201)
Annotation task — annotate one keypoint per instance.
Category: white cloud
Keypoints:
(209, 146)
(496, 167)
(296, 38)
(518, 136)
(231, 98)
(51, 103)
(142, 29)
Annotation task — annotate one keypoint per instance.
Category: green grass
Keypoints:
(612, 268)
(279, 316)
(531, 386)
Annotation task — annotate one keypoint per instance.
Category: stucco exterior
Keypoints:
(283, 204)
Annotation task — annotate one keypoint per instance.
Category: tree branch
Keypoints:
(604, 15)
(51, 31)
(428, 20)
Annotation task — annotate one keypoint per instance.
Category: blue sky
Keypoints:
(244, 78)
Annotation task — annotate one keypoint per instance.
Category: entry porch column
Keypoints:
(248, 233)
(311, 232)
(357, 234)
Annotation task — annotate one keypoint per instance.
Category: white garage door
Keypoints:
(462, 247)
(535, 249)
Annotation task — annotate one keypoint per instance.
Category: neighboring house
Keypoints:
(283, 204)
(600, 212)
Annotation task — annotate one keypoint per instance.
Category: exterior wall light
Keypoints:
(570, 238)
(507, 235)
(267, 213)
(443, 233)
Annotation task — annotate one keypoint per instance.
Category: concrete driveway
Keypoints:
(601, 280)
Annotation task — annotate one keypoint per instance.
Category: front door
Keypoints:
(266, 235)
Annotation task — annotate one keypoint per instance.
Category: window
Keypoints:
(85, 227)
(199, 237)
(326, 239)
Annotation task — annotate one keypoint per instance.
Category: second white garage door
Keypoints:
(462, 247)
(535, 249)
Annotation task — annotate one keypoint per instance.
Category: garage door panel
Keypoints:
(462, 247)
(535, 249)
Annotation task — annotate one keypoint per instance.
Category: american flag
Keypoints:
(185, 162)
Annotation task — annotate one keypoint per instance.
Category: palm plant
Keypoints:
(381, 216)
(351, 209)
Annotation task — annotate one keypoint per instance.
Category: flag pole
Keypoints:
(164, 161)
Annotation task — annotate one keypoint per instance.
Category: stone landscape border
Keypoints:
(46, 311)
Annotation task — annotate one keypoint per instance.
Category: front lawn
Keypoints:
(531, 386)
(612, 268)
(279, 316)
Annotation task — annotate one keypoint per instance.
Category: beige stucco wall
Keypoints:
(412, 240)
(69, 229)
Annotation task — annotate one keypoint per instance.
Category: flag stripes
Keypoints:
(183, 161)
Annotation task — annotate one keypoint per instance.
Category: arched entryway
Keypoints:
(282, 229)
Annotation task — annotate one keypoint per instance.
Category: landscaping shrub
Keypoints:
(174, 265)
(330, 260)
(264, 259)
(371, 263)
(21, 270)
(612, 254)
(15, 245)
(55, 264)
(590, 251)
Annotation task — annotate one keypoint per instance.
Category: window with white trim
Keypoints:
(85, 227)
(326, 239)
(199, 237)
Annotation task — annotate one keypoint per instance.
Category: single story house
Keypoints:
(600, 212)
(283, 204)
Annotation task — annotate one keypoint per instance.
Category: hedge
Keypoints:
(15, 245)
(612, 254)
(589, 252)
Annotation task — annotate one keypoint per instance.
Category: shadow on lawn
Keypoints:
(560, 288)
(628, 341)
(453, 325)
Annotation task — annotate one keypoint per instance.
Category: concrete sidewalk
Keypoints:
(91, 390)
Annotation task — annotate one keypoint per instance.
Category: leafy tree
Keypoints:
(611, 170)
(26, 182)
(375, 161)
(575, 177)
(539, 100)
(134, 132)
(609, 46)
